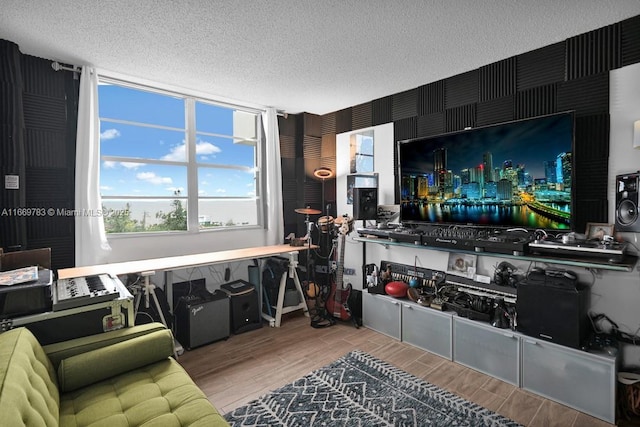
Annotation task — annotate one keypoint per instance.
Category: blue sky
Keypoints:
(134, 178)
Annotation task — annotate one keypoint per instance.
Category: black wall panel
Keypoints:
(496, 110)
(541, 67)
(329, 124)
(460, 118)
(587, 95)
(461, 89)
(343, 120)
(497, 80)
(405, 104)
(382, 111)
(311, 147)
(430, 124)
(431, 98)
(630, 41)
(594, 52)
(537, 101)
(361, 116)
(288, 147)
(405, 129)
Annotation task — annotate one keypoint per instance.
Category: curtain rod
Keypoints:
(57, 67)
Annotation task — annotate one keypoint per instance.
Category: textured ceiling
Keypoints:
(297, 55)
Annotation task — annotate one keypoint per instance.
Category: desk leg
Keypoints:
(280, 310)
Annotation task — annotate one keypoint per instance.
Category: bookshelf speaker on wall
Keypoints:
(365, 203)
(627, 202)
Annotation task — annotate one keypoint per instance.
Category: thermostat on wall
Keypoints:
(11, 182)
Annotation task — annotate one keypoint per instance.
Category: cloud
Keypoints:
(152, 178)
(108, 164)
(109, 134)
(221, 190)
(106, 188)
(178, 153)
(131, 165)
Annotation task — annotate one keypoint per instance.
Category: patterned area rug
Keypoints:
(360, 390)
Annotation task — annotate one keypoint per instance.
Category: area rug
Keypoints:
(360, 390)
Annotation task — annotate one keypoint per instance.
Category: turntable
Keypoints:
(590, 248)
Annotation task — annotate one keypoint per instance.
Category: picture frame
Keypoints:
(462, 264)
(597, 230)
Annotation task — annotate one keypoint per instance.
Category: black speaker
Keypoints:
(627, 203)
(554, 311)
(245, 313)
(200, 321)
(365, 203)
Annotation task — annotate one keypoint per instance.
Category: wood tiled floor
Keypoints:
(237, 370)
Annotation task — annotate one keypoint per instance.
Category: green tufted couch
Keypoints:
(120, 378)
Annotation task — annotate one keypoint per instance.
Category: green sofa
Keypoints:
(126, 377)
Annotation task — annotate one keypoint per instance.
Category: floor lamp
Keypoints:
(323, 173)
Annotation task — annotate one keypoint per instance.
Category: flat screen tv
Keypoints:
(511, 175)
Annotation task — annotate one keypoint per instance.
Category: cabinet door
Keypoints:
(575, 378)
(427, 328)
(381, 313)
(487, 349)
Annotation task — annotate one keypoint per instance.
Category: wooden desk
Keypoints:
(185, 261)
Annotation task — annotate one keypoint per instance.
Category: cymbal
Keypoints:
(307, 211)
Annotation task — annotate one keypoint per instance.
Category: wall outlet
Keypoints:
(350, 271)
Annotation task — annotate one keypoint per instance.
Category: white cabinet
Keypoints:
(427, 329)
(487, 349)
(581, 380)
(381, 313)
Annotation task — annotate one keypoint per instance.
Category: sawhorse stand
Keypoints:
(280, 310)
(149, 291)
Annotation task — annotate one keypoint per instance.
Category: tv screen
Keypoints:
(514, 175)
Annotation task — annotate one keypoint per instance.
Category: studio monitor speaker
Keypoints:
(627, 202)
(365, 203)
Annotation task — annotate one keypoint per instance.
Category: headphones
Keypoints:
(505, 275)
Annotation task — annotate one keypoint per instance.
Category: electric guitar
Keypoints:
(336, 304)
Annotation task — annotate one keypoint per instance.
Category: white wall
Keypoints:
(136, 247)
(616, 294)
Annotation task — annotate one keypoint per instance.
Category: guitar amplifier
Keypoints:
(245, 313)
(202, 321)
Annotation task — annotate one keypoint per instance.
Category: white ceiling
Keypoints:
(297, 55)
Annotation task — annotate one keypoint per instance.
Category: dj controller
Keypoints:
(517, 241)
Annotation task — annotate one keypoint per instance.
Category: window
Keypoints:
(171, 162)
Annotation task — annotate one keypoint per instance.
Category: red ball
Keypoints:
(396, 289)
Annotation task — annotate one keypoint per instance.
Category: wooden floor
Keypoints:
(234, 371)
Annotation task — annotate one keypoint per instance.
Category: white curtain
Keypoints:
(92, 246)
(273, 196)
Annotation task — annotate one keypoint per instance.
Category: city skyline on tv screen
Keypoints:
(517, 174)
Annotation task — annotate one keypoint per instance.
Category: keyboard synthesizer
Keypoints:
(81, 291)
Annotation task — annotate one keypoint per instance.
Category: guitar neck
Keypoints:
(340, 270)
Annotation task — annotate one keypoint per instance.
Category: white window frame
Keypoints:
(190, 132)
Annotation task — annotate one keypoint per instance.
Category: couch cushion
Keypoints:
(62, 350)
(161, 394)
(99, 364)
(28, 389)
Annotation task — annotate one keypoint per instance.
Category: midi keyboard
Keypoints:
(81, 291)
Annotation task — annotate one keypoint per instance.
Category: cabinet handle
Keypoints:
(407, 306)
(531, 342)
(508, 335)
(395, 303)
